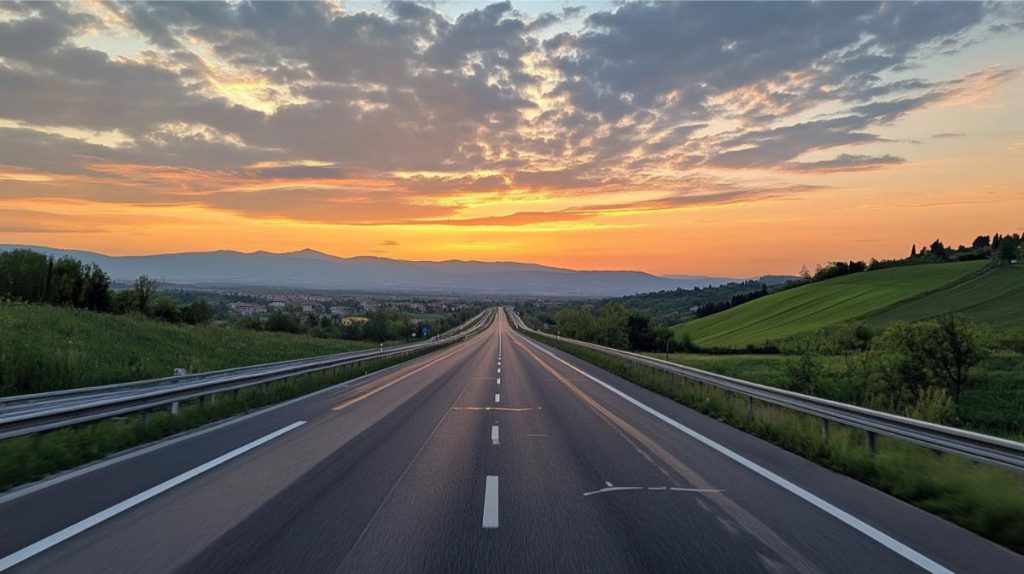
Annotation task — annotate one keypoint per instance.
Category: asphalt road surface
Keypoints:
(495, 455)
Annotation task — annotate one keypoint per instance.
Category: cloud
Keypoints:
(948, 135)
(403, 113)
(32, 221)
(845, 162)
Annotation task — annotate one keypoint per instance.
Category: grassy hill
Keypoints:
(46, 348)
(995, 298)
(810, 307)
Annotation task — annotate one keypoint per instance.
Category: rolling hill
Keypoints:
(308, 269)
(810, 307)
(995, 298)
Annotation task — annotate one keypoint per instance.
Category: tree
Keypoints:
(804, 273)
(612, 324)
(283, 322)
(1007, 249)
(938, 249)
(24, 275)
(196, 312)
(97, 289)
(956, 348)
(904, 349)
(165, 309)
(68, 280)
(142, 293)
(918, 356)
(640, 334)
(913, 250)
(804, 373)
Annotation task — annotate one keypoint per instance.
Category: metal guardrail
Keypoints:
(975, 446)
(41, 412)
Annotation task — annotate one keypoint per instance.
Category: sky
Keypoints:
(725, 139)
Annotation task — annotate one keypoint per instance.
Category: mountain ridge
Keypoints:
(311, 269)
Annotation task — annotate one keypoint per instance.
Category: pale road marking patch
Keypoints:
(611, 488)
(87, 523)
(864, 528)
(497, 397)
(499, 380)
(506, 409)
(499, 370)
(491, 503)
(494, 434)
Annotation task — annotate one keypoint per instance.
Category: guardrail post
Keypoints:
(824, 429)
(750, 408)
(202, 402)
(871, 442)
(213, 399)
(174, 408)
(145, 419)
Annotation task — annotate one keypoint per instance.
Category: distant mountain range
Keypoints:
(308, 269)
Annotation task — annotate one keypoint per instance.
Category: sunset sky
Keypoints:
(717, 139)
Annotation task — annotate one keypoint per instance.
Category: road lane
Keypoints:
(34, 516)
(423, 469)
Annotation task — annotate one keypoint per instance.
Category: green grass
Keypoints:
(996, 298)
(993, 405)
(46, 348)
(810, 307)
(982, 498)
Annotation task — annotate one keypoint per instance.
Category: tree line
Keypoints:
(998, 248)
(737, 299)
(381, 325)
(612, 325)
(32, 277)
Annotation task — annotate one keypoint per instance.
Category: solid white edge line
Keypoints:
(494, 434)
(491, 503)
(857, 524)
(87, 523)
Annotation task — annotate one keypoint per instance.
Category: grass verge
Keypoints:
(28, 458)
(45, 348)
(984, 499)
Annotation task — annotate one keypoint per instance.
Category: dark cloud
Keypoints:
(845, 162)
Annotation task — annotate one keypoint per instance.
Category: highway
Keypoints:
(497, 454)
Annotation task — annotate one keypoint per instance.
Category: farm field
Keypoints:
(810, 307)
(995, 298)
